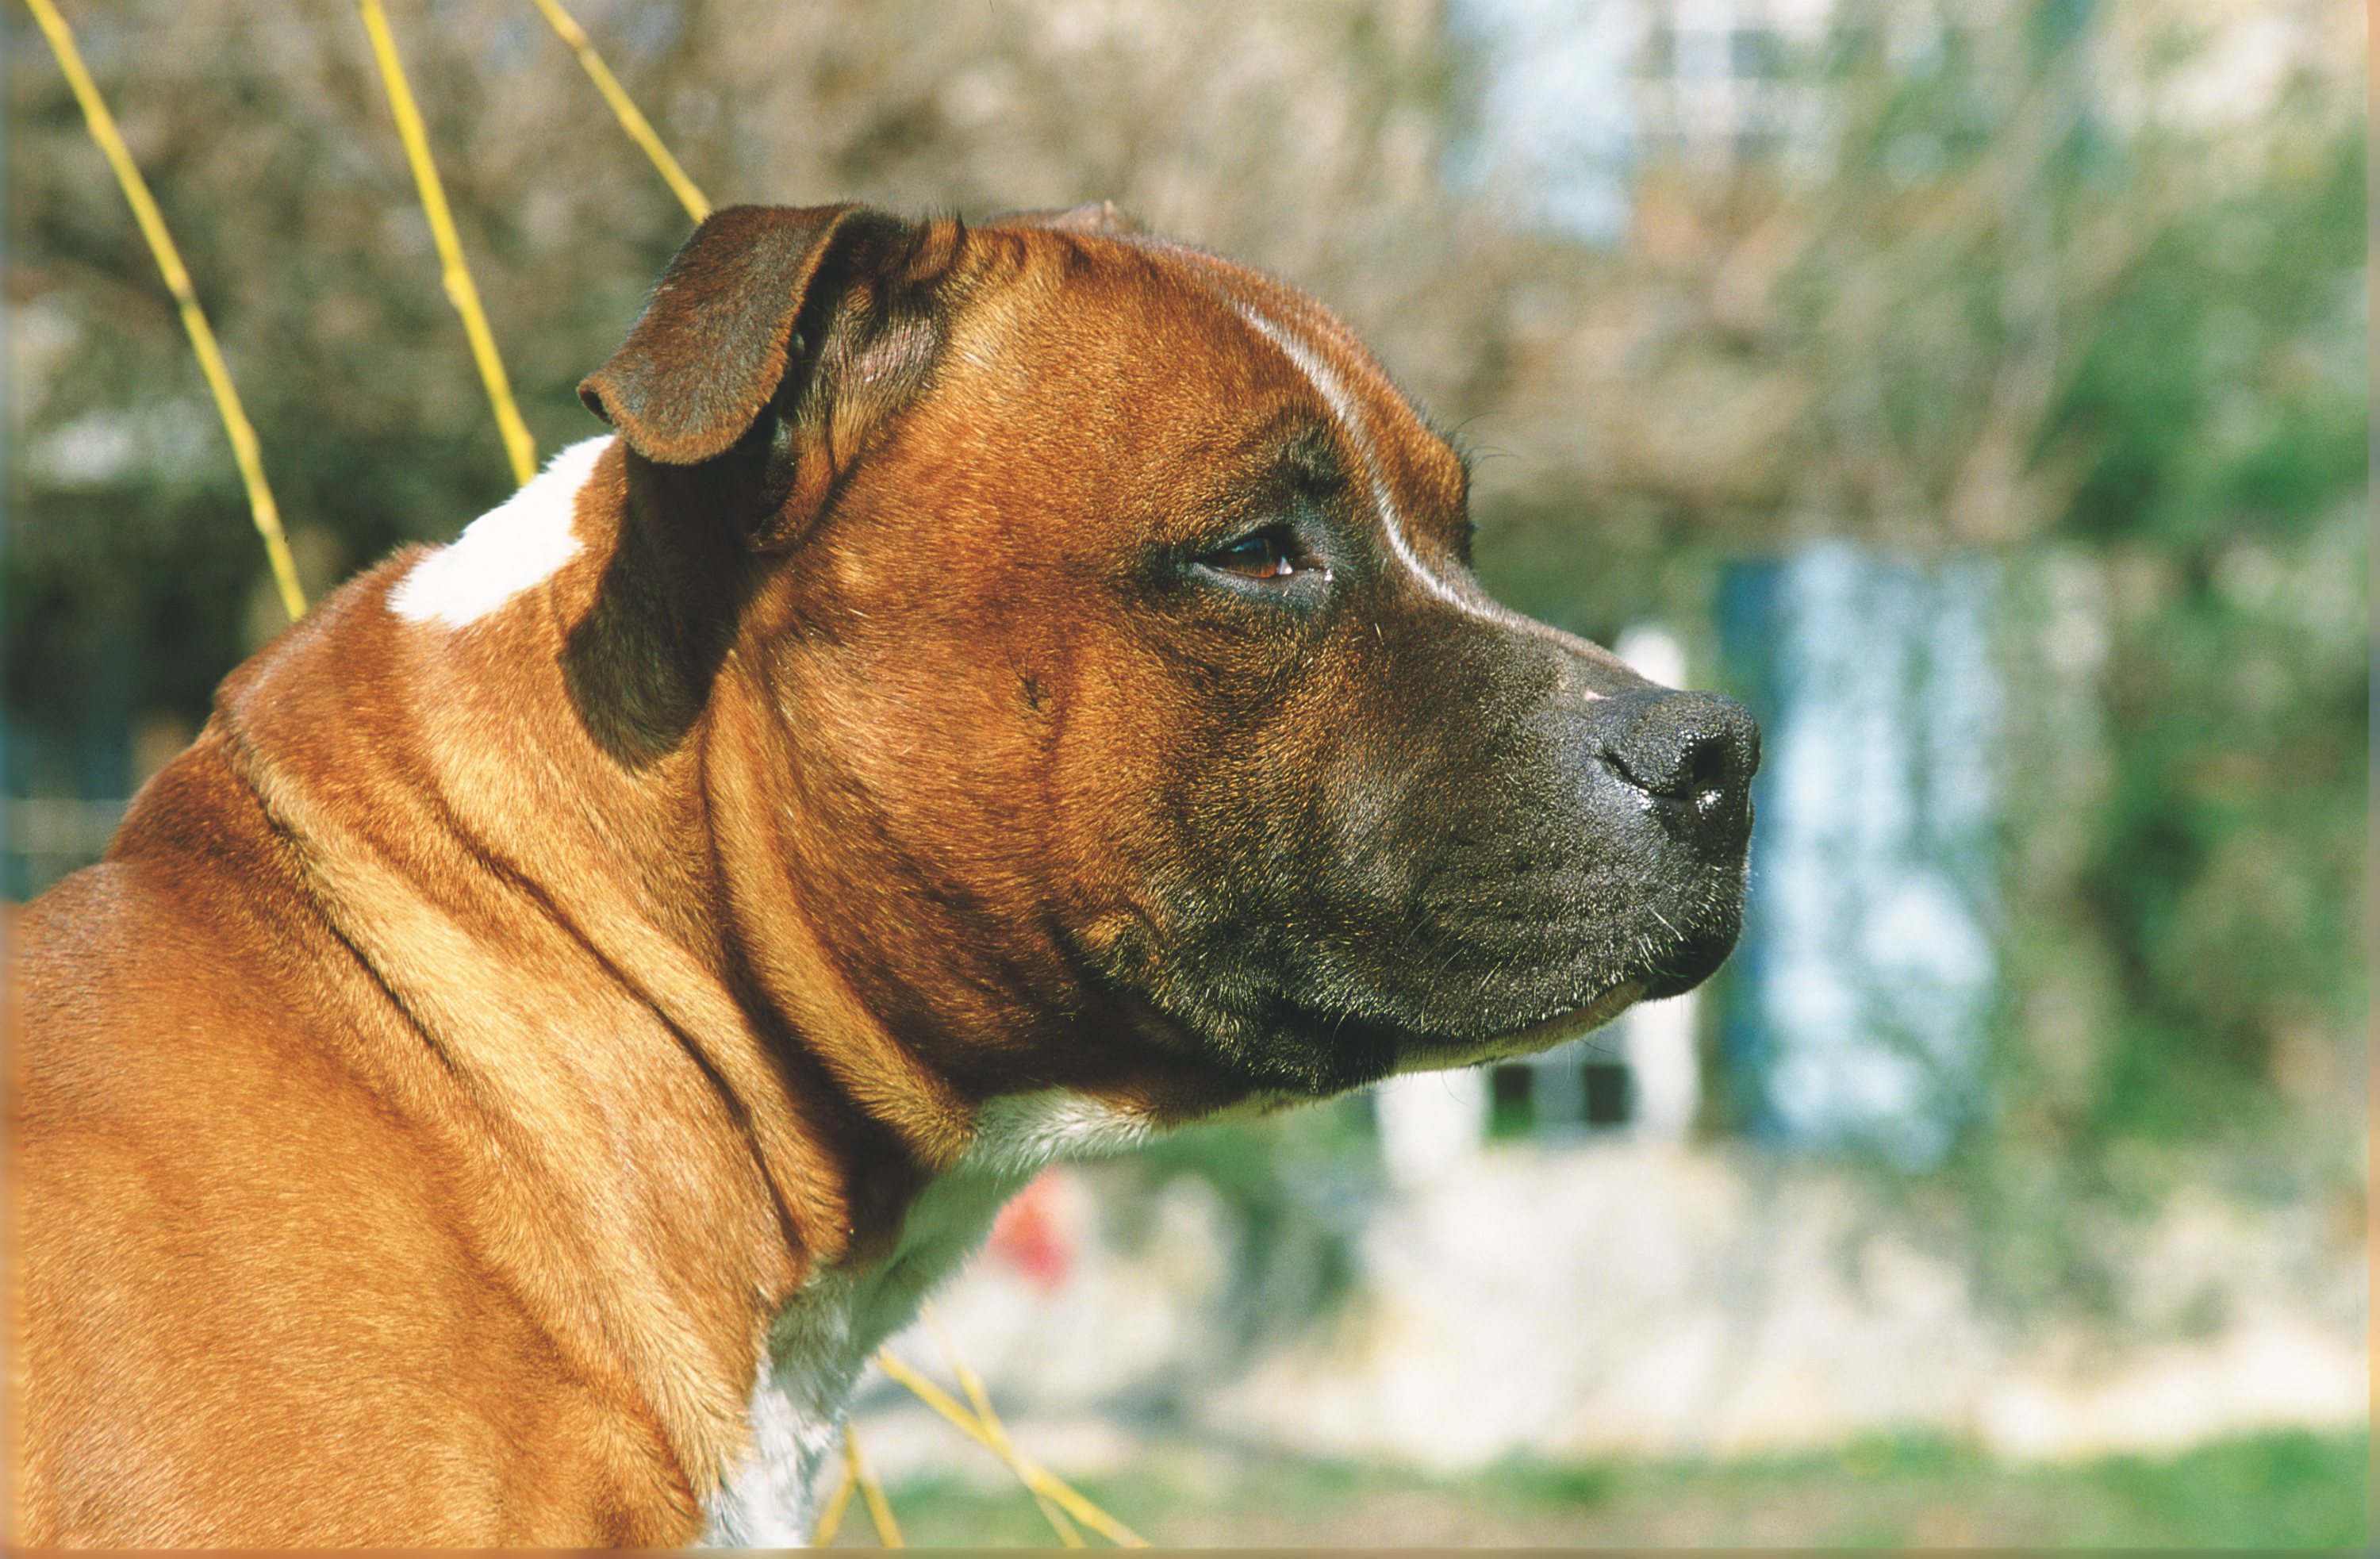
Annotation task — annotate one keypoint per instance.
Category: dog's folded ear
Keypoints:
(821, 320)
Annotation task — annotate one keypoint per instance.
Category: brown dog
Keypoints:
(1003, 692)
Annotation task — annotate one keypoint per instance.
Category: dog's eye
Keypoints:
(1269, 553)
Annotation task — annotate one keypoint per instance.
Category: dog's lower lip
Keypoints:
(1544, 1035)
(1578, 1020)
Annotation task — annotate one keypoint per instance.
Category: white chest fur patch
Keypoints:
(1020, 1134)
(518, 543)
(820, 1343)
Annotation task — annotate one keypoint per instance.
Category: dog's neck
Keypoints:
(818, 1176)
(822, 1339)
(749, 1182)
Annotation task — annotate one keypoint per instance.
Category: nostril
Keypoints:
(1711, 766)
(1700, 748)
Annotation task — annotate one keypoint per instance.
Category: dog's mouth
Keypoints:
(1315, 1052)
(1544, 1035)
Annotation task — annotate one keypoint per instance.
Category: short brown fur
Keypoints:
(479, 1036)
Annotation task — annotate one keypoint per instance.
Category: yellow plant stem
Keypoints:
(1035, 1477)
(880, 1509)
(972, 1384)
(244, 446)
(640, 130)
(519, 448)
(831, 1518)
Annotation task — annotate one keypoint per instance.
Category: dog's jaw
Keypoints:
(1559, 1030)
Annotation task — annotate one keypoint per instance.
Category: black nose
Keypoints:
(1692, 754)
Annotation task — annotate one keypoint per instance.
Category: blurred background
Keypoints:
(1977, 390)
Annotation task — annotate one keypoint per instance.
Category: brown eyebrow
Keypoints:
(1308, 458)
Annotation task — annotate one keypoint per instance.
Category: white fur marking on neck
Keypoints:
(821, 1340)
(1021, 1133)
(518, 543)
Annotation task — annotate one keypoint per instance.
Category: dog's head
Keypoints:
(1132, 688)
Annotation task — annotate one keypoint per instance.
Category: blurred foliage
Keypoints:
(2222, 398)
(2271, 1491)
(2040, 309)
(1298, 1186)
(2018, 296)
(2048, 298)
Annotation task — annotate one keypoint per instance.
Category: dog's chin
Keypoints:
(1544, 1035)
(1313, 1051)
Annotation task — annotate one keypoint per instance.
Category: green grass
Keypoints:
(2269, 1492)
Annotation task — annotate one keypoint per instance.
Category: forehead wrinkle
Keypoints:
(1332, 385)
(1253, 295)
(1270, 310)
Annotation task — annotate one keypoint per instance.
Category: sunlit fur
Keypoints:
(585, 984)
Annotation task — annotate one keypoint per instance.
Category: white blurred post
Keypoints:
(1430, 1123)
(1664, 1073)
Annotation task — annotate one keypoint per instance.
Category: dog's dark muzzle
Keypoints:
(1670, 773)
